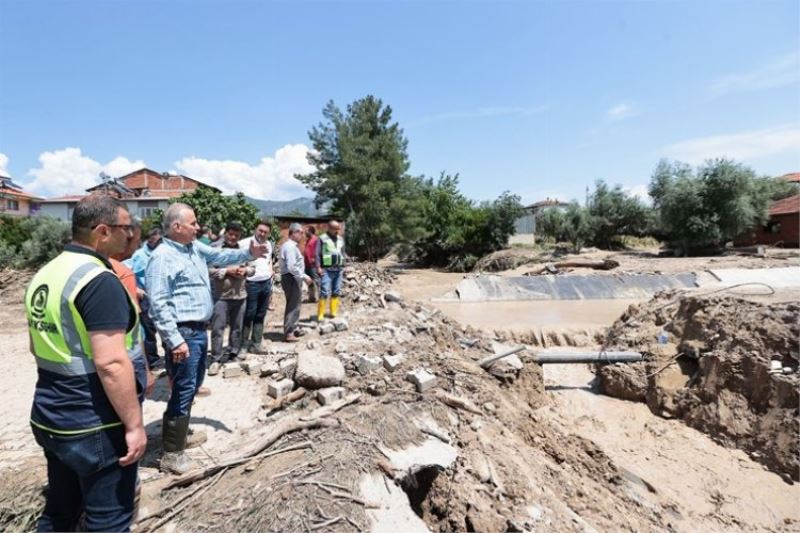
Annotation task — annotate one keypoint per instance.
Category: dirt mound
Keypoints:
(725, 365)
(508, 259)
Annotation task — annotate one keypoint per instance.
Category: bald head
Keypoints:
(333, 228)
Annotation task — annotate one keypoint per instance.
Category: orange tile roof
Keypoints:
(786, 206)
(19, 194)
(793, 177)
(68, 198)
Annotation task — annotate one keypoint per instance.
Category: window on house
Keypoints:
(146, 211)
(12, 205)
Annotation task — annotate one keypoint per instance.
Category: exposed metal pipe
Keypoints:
(586, 357)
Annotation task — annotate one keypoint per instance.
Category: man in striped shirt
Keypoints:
(181, 305)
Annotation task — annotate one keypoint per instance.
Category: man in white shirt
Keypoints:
(292, 278)
(259, 290)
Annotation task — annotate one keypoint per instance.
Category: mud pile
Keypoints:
(724, 365)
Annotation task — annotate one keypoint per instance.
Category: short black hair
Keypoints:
(264, 222)
(92, 211)
(312, 230)
(154, 232)
(234, 226)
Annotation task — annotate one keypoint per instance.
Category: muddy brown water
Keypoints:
(527, 315)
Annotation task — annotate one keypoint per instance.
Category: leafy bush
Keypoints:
(33, 241)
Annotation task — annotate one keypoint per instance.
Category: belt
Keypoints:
(192, 325)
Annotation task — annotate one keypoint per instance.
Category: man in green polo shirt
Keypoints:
(86, 414)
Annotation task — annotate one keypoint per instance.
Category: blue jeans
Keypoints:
(140, 373)
(187, 376)
(150, 342)
(258, 296)
(331, 283)
(84, 474)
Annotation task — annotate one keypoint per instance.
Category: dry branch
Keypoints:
(281, 428)
(280, 403)
(332, 408)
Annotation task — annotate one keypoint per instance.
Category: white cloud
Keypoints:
(784, 70)
(743, 146)
(68, 171)
(481, 112)
(621, 112)
(4, 165)
(271, 179)
(639, 191)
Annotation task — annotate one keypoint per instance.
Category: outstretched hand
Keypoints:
(258, 249)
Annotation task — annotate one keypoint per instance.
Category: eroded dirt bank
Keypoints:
(727, 366)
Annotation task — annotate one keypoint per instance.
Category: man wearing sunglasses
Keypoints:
(85, 413)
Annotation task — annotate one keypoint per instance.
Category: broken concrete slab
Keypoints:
(340, 324)
(279, 389)
(422, 379)
(368, 363)
(251, 366)
(232, 370)
(315, 371)
(268, 369)
(392, 362)
(326, 328)
(329, 395)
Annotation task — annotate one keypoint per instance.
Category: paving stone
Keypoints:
(422, 379)
(315, 371)
(329, 395)
(391, 362)
(232, 370)
(340, 324)
(267, 369)
(326, 328)
(279, 389)
(252, 367)
(367, 363)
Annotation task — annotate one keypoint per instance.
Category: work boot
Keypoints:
(321, 310)
(247, 344)
(258, 337)
(174, 431)
(213, 370)
(334, 306)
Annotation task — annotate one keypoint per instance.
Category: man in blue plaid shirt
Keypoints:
(181, 305)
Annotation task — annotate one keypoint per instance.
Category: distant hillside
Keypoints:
(298, 206)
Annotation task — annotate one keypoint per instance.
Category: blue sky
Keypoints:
(540, 98)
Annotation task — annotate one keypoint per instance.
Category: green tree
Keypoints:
(214, 209)
(704, 210)
(615, 213)
(360, 163)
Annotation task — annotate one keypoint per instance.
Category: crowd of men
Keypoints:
(95, 313)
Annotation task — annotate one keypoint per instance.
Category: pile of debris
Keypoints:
(725, 365)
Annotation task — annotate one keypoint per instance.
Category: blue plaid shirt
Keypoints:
(177, 284)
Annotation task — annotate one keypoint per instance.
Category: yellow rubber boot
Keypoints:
(334, 306)
(321, 310)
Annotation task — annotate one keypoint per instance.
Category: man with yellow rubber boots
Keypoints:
(86, 414)
(330, 262)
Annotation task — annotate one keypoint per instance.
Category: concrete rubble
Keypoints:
(315, 371)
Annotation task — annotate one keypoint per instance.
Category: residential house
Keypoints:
(143, 191)
(783, 226)
(16, 202)
(525, 226)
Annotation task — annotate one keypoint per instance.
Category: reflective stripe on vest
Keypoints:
(59, 337)
(332, 252)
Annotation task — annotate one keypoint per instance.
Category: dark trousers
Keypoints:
(84, 474)
(150, 342)
(187, 376)
(258, 296)
(226, 313)
(313, 289)
(293, 290)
